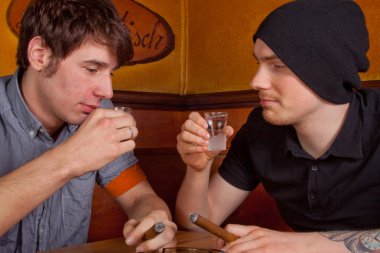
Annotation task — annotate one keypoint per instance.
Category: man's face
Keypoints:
(285, 99)
(76, 89)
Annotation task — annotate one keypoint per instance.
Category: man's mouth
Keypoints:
(267, 101)
(89, 108)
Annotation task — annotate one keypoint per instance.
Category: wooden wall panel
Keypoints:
(107, 217)
(157, 129)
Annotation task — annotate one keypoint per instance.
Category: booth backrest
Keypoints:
(165, 171)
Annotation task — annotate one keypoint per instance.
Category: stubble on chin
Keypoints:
(78, 120)
(274, 118)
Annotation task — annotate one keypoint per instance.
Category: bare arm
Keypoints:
(97, 142)
(215, 200)
(357, 241)
(144, 209)
(25, 188)
(196, 193)
(257, 239)
(193, 196)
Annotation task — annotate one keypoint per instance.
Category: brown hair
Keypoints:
(65, 24)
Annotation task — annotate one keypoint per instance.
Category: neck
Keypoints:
(29, 88)
(317, 133)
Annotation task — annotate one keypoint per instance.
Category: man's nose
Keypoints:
(104, 88)
(260, 80)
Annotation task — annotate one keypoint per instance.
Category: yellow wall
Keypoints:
(213, 51)
(164, 76)
(8, 43)
(372, 11)
(220, 42)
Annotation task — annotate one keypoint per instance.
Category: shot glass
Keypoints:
(190, 250)
(216, 125)
(123, 108)
(126, 110)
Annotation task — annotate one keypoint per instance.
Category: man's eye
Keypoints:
(92, 70)
(278, 66)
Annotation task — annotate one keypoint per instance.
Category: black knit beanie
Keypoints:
(324, 42)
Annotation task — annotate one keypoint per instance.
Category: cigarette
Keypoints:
(212, 228)
(156, 229)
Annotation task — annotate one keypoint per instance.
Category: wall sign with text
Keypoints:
(152, 37)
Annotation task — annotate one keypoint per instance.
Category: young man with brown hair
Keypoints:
(58, 137)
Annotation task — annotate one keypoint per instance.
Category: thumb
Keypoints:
(240, 230)
(220, 243)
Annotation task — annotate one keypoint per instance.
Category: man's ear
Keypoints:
(38, 54)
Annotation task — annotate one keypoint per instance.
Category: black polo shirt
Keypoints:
(340, 190)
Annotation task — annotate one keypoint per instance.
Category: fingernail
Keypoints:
(129, 241)
(139, 249)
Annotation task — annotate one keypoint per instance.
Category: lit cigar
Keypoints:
(156, 229)
(212, 228)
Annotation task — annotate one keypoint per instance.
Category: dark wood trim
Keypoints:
(233, 99)
(147, 100)
(173, 102)
(371, 84)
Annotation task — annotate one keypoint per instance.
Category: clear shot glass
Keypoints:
(123, 108)
(216, 126)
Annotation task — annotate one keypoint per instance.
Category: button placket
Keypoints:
(312, 186)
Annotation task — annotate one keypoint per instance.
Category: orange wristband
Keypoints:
(125, 181)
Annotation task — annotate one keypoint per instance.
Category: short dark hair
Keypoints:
(65, 24)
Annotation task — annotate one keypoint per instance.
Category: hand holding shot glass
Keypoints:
(216, 126)
(128, 110)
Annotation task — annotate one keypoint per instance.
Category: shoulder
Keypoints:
(4, 101)
(366, 108)
(4, 80)
(369, 99)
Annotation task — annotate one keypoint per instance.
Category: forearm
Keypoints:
(253, 238)
(193, 196)
(29, 185)
(356, 241)
(141, 200)
(146, 204)
(144, 209)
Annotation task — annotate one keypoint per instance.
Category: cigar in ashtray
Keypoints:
(207, 225)
(156, 229)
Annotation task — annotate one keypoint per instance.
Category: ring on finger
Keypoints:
(131, 132)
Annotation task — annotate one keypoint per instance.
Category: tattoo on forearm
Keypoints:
(357, 241)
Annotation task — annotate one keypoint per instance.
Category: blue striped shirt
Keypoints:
(63, 219)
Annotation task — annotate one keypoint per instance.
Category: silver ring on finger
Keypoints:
(131, 132)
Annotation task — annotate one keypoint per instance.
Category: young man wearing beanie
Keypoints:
(314, 143)
(58, 138)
